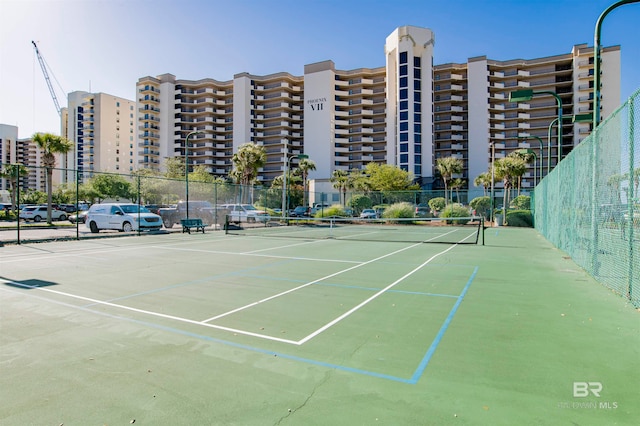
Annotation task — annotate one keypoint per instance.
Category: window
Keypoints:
(404, 158)
(403, 57)
(417, 107)
(118, 104)
(417, 149)
(417, 117)
(404, 137)
(404, 94)
(403, 70)
(404, 82)
(404, 147)
(404, 115)
(417, 76)
(417, 61)
(404, 126)
(404, 105)
(417, 85)
(417, 128)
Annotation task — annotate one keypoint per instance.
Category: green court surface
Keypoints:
(214, 329)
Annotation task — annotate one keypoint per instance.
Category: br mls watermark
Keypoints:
(584, 390)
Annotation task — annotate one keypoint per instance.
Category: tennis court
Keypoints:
(213, 328)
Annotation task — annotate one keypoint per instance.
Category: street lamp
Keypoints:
(541, 156)
(284, 180)
(596, 59)
(493, 175)
(527, 95)
(186, 164)
(578, 118)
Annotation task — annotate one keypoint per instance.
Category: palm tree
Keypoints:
(457, 184)
(483, 180)
(305, 166)
(246, 162)
(448, 166)
(509, 169)
(50, 145)
(13, 172)
(339, 179)
(526, 155)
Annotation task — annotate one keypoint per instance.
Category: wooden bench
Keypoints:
(188, 224)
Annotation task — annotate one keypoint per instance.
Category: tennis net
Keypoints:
(459, 230)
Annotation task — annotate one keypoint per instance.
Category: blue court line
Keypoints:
(434, 345)
(413, 380)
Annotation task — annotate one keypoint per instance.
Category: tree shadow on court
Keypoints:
(29, 284)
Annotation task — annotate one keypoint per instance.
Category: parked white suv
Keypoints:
(38, 213)
(121, 217)
(245, 213)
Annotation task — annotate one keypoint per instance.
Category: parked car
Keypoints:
(300, 211)
(69, 208)
(121, 217)
(368, 214)
(245, 213)
(422, 211)
(197, 210)
(78, 217)
(37, 213)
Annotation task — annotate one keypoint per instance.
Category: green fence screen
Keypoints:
(589, 205)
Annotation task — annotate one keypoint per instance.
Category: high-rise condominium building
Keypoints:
(101, 127)
(407, 113)
(20, 151)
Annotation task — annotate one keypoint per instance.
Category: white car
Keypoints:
(245, 213)
(369, 214)
(121, 217)
(38, 213)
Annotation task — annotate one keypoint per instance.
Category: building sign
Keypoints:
(317, 104)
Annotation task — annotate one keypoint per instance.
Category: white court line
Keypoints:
(280, 247)
(308, 284)
(259, 255)
(143, 311)
(83, 251)
(352, 310)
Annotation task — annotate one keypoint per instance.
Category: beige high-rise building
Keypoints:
(407, 113)
(101, 127)
(20, 151)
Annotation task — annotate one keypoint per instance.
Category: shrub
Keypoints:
(482, 205)
(334, 210)
(437, 204)
(398, 210)
(521, 202)
(521, 218)
(360, 202)
(456, 210)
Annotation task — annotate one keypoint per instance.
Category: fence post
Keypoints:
(631, 195)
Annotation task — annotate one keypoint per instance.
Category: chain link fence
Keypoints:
(589, 205)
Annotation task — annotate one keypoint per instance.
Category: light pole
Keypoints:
(527, 95)
(186, 164)
(284, 181)
(541, 156)
(596, 59)
(493, 176)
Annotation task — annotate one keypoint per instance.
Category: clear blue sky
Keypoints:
(105, 46)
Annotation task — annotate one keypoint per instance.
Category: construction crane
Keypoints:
(46, 77)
